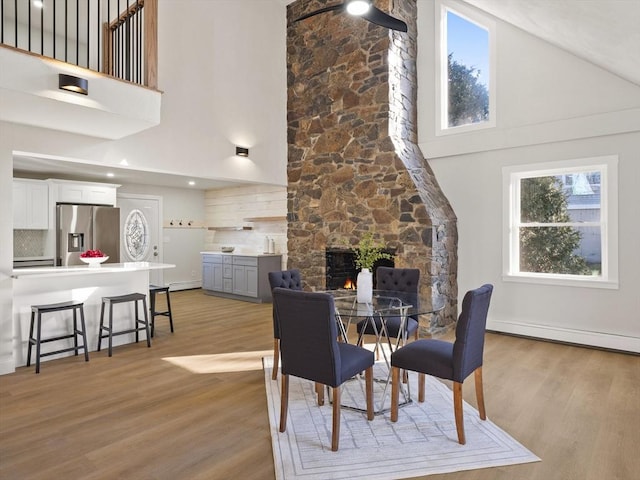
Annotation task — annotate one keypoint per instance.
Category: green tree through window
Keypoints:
(547, 249)
(468, 98)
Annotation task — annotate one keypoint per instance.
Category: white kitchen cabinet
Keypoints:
(30, 204)
(86, 192)
(242, 277)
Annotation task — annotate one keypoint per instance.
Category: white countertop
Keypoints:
(242, 254)
(86, 269)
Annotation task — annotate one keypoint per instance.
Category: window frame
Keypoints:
(511, 176)
(441, 70)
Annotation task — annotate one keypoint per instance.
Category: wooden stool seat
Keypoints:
(153, 290)
(139, 325)
(36, 317)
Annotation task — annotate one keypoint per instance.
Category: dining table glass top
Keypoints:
(385, 302)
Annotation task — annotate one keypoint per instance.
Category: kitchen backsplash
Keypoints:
(28, 243)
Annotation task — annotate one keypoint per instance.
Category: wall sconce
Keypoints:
(73, 84)
(242, 152)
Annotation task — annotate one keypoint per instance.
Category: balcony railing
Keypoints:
(114, 37)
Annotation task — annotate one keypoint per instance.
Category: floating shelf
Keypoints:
(231, 228)
(265, 219)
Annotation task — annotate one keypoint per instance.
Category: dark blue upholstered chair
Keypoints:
(310, 350)
(451, 361)
(396, 280)
(292, 280)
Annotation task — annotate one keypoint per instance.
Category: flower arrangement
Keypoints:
(369, 252)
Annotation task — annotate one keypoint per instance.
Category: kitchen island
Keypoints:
(79, 283)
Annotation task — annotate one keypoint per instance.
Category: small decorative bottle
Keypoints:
(266, 245)
(364, 286)
(272, 245)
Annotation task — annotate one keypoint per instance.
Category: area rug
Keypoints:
(422, 442)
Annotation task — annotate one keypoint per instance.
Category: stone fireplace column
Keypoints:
(354, 164)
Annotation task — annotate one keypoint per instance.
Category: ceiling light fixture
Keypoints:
(242, 151)
(358, 7)
(38, 3)
(363, 9)
(192, 183)
(73, 84)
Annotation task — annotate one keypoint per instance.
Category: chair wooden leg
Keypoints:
(284, 402)
(335, 431)
(395, 393)
(320, 393)
(421, 387)
(276, 358)
(480, 393)
(457, 409)
(368, 378)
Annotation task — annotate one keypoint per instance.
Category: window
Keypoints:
(561, 222)
(466, 73)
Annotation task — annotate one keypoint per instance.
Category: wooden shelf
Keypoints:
(265, 219)
(231, 228)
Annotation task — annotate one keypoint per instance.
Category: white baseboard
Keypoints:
(580, 337)
(185, 285)
(7, 366)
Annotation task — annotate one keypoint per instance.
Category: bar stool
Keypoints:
(153, 290)
(36, 316)
(139, 325)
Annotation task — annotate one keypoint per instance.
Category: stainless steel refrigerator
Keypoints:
(86, 227)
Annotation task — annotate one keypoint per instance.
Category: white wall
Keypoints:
(551, 106)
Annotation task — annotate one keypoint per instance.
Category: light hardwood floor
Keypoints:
(193, 405)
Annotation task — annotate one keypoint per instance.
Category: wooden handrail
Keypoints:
(150, 40)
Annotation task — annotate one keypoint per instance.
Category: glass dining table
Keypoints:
(384, 304)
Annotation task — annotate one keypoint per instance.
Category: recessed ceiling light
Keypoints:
(192, 183)
(38, 3)
(110, 174)
(124, 162)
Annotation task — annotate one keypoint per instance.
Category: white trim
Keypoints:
(184, 285)
(569, 335)
(441, 82)
(608, 165)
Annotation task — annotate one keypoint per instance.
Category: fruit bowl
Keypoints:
(94, 261)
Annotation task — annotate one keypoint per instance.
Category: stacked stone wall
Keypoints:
(354, 165)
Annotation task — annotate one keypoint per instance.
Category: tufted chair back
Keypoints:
(397, 279)
(290, 279)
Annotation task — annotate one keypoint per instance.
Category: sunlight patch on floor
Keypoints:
(221, 362)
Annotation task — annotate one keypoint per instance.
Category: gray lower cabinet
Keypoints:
(244, 277)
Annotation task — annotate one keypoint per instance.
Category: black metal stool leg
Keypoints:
(169, 310)
(31, 339)
(84, 335)
(152, 311)
(110, 328)
(101, 326)
(75, 332)
(146, 322)
(38, 338)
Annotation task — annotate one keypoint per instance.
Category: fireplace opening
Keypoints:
(341, 270)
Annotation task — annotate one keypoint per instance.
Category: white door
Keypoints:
(141, 231)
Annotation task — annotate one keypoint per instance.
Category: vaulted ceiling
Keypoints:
(603, 32)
